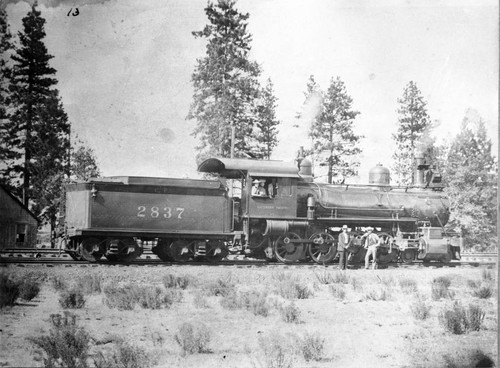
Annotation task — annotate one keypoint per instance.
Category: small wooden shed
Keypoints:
(18, 225)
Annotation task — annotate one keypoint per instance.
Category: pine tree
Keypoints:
(413, 121)
(266, 128)
(83, 164)
(6, 48)
(225, 83)
(470, 174)
(37, 131)
(334, 141)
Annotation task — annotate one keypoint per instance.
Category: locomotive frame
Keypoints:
(296, 220)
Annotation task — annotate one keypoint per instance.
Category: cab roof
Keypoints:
(233, 168)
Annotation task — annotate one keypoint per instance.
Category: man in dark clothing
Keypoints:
(342, 245)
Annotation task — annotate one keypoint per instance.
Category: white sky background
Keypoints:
(124, 69)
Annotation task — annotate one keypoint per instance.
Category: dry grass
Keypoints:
(262, 317)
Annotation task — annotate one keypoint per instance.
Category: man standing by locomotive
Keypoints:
(342, 248)
(371, 244)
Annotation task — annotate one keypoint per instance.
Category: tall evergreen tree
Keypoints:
(6, 48)
(470, 174)
(225, 83)
(84, 164)
(334, 141)
(37, 131)
(413, 121)
(266, 128)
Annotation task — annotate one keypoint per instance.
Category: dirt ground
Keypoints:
(357, 329)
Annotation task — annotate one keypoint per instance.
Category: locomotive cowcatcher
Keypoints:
(289, 219)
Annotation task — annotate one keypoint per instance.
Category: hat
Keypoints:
(344, 227)
(256, 181)
(369, 228)
(263, 181)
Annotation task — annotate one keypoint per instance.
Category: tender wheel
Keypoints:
(180, 251)
(123, 250)
(162, 250)
(90, 249)
(288, 250)
(407, 256)
(323, 248)
(216, 251)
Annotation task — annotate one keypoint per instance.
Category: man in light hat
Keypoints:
(371, 244)
(342, 247)
(258, 189)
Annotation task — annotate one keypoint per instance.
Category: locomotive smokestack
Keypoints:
(421, 166)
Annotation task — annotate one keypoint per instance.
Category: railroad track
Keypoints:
(52, 257)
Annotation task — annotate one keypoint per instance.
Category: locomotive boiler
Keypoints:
(290, 218)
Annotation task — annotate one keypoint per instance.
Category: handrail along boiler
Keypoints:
(295, 220)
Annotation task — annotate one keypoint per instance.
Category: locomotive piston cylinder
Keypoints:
(281, 227)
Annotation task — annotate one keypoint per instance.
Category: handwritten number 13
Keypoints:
(75, 13)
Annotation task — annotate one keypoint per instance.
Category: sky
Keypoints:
(124, 70)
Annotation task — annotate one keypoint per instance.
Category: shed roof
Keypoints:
(233, 168)
(17, 201)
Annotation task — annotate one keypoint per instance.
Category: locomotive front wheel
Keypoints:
(323, 248)
(383, 255)
(287, 250)
(180, 251)
(407, 256)
(90, 250)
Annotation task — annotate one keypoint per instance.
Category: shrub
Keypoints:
(29, 289)
(440, 290)
(126, 297)
(324, 277)
(473, 284)
(475, 358)
(9, 291)
(487, 275)
(58, 283)
(341, 278)
(66, 345)
(278, 350)
(420, 309)
(90, 284)
(256, 303)
(378, 294)
(221, 287)
(200, 301)
(459, 320)
(72, 299)
(442, 280)
(290, 313)
(356, 284)
(124, 355)
(252, 301)
(176, 282)
(338, 291)
(294, 289)
(454, 319)
(193, 338)
(311, 346)
(475, 317)
(231, 301)
(484, 292)
(408, 285)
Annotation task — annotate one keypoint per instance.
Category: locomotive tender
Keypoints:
(295, 220)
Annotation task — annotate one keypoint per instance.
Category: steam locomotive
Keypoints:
(291, 219)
